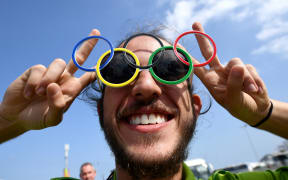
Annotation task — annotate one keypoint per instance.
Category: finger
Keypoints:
(205, 46)
(234, 85)
(33, 77)
(261, 86)
(87, 78)
(83, 52)
(199, 71)
(261, 96)
(52, 74)
(56, 104)
(249, 85)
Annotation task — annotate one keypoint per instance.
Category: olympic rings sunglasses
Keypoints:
(119, 67)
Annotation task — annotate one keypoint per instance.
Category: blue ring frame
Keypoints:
(85, 39)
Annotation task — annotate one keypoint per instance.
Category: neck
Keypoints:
(123, 174)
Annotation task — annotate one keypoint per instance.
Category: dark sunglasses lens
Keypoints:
(117, 70)
(169, 67)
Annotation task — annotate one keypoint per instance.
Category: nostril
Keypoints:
(155, 95)
(138, 94)
(152, 95)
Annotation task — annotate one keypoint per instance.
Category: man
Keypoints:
(143, 149)
(87, 171)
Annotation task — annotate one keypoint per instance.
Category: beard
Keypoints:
(157, 168)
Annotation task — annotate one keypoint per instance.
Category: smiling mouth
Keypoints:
(149, 119)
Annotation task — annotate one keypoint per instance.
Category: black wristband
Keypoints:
(265, 118)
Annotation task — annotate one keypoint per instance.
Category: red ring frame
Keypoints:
(195, 32)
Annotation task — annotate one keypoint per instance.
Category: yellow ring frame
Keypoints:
(121, 84)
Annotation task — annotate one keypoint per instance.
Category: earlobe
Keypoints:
(197, 104)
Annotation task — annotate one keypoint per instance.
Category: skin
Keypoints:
(88, 173)
(38, 98)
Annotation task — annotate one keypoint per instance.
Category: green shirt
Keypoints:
(279, 174)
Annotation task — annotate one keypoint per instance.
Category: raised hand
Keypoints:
(237, 87)
(39, 97)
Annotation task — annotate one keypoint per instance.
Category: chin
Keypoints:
(148, 163)
(150, 154)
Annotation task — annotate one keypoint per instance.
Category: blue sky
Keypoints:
(36, 32)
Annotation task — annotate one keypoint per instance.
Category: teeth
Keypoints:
(137, 121)
(152, 119)
(148, 119)
(160, 119)
(144, 119)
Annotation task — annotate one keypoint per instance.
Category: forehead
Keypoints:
(145, 43)
(87, 167)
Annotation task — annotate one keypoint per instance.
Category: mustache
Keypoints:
(153, 105)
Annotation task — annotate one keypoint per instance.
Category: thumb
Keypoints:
(56, 104)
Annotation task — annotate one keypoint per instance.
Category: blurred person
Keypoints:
(87, 171)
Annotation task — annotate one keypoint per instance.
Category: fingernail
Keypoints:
(252, 88)
(261, 91)
(40, 91)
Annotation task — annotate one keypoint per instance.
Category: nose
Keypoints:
(145, 88)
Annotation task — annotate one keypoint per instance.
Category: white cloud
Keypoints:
(271, 16)
(180, 14)
(278, 45)
(185, 12)
(273, 28)
(268, 10)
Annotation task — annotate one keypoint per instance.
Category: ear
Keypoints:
(197, 104)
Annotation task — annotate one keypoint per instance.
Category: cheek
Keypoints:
(182, 99)
(112, 100)
(180, 95)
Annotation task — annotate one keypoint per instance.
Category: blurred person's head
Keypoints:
(87, 171)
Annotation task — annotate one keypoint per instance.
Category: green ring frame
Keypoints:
(190, 70)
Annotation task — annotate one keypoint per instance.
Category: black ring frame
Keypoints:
(134, 65)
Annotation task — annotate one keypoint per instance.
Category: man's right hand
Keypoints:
(38, 98)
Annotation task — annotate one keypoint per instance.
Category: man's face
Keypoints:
(88, 173)
(147, 121)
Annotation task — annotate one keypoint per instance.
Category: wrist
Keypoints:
(9, 129)
(266, 117)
